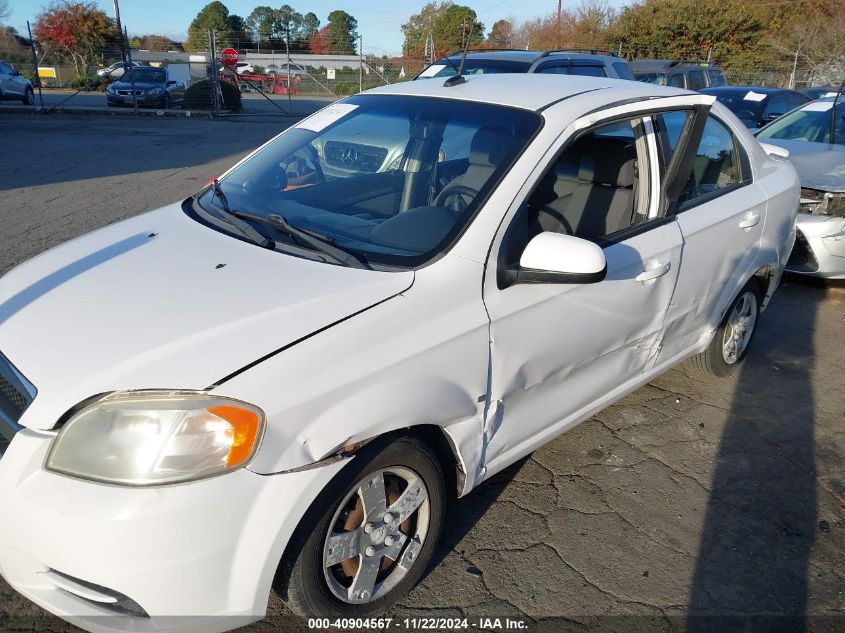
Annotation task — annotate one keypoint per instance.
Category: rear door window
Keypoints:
(555, 69)
(623, 71)
(591, 70)
(716, 166)
(676, 80)
(716, 78)
(697, 80)
(669, 127)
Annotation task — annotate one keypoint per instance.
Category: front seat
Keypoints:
(487, 150)
(602, 200)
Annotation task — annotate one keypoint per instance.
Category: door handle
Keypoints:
(750, 219)
(654, 273)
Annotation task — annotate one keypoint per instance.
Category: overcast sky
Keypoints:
(378, 22)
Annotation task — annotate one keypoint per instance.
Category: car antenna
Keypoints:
(459, 78)
(833, 113)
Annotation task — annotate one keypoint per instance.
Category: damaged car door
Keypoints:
(563, 348)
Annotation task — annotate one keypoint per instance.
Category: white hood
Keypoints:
(118, 309)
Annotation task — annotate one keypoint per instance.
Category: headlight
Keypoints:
(150, 438)
(110, 89)
(154, 91)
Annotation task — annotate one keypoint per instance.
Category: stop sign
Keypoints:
(229, 57)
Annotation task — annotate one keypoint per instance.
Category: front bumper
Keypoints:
(819, 248)
(143, 100)
(194, 557)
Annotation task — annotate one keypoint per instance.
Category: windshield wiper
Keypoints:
(230, 217)
(321, 243)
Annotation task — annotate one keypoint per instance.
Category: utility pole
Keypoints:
(361, 63)
(557, 41)
(35, 66)
(120, 32)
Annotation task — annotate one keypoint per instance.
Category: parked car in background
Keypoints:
(244, 68)
(116, 70)
(756, 106)
(691, 75)
(152, 87)
(294, 70)
(15, 86)
(575, 61)
(820, 92)
(275, 386)
(818, 152)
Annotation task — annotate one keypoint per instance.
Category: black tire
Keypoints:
(301, 580)
(713, 360)
(28, 97)
(166, 103)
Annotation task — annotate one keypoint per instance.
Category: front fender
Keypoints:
(419, 359)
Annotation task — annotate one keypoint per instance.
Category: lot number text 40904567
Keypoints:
(417, 624)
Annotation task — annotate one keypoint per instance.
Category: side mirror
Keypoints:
(555, 258)
(171, 82)
(772, 116)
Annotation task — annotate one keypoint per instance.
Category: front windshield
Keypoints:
(443, 68)
(810, 123)
(658, 79)
(392, 179)
(145, 75)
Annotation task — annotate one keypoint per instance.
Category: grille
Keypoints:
(18, 400)
(16, 394)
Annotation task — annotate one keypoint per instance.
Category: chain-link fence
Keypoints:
(266, 77)
(796, 80)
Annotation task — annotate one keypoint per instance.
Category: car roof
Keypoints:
(530, 91)
(730, 89)
(652, 65)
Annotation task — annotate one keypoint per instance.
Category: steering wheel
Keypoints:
(456, 191)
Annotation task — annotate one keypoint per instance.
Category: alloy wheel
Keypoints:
(376, 534)
(739, 327)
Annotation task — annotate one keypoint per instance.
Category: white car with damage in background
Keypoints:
(274, 385)
(817, 151)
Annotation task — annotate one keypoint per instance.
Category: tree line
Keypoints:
(739, 34)
(275, 28)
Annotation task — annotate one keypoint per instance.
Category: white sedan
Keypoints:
(285, 375)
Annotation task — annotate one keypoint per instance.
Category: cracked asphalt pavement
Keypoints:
(694, 504)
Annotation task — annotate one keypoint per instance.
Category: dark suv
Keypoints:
(569, 61)
(691, 75)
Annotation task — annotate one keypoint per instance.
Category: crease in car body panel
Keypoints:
(315, 410)
(527, 390)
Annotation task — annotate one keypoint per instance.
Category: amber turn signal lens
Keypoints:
(246, 425)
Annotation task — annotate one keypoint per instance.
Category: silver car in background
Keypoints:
(15, 86)
(818, 154)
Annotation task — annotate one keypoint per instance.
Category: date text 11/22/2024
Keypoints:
(418, 624)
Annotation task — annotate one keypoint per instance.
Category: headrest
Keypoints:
(608, 161)
(567, 166)
(489, 146)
